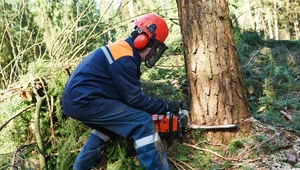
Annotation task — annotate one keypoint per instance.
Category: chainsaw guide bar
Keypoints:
(195, 127)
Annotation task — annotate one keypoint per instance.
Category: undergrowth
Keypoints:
(271, 75)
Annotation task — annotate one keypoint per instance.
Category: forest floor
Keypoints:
(266, 148)
(280, 150)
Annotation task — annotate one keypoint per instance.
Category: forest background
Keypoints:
(42, 42)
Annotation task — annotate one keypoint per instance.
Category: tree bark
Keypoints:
(247, 4)
(275, 13)
(296, 23)
(216, 87)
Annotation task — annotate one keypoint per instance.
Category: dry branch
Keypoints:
(16, 115)
(210, 151)
(51, 112)
(187, 165)
(12, 165)
(176, 164)
(37, 129)
(285, 115)
(256, 146)
(235, 166)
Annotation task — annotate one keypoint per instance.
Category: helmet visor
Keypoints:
(155, 53)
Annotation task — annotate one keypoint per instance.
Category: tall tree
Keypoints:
(216, 86)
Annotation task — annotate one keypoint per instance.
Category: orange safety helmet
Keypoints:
(153, 26)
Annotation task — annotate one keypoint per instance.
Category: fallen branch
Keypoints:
(285, 115)
(16, 115)
(56, 153)
(11, 91)
(51, 111)
(176, 164)
(187, 165)
(244, 163)
(36, 119)
(210, 151)
(255, 147)
(12, 165)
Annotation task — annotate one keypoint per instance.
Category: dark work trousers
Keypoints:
(127, 122)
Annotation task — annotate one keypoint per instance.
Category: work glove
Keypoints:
(173, 106)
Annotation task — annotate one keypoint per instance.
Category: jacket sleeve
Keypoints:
(125, 76)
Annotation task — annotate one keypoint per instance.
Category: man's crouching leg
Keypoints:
(90, 154)
(149, 148)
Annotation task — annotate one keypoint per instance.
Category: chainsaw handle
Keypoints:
(174, 106)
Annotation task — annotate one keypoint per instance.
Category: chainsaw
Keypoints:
(174, 124)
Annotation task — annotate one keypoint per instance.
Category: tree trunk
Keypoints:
(276, 29)
(296, 23)
(216, 88)
(249, 14)
(257, 20)
(270, 29)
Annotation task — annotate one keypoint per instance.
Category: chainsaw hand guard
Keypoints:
(174, 106)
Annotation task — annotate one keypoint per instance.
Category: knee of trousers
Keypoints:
(143, 128)
(90, 154)
(148, 139)
(95, 141)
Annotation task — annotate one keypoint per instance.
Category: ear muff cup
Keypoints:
(141, 41)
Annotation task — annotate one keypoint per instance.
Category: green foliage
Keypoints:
(227, 165)
(251, 38)
(197, 135)
(197, 158)
(168, 80)
(70, 136)
(268, 146)
(235, 146)
(270, 77)
(10, 136)
(119, 155)
(193, 157)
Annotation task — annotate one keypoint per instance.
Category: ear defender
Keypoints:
(141, 41)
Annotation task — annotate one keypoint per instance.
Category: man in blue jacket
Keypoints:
(104, 92)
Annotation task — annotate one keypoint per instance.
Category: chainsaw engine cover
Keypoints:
(171, 123)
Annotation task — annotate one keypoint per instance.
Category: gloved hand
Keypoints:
(174, 105)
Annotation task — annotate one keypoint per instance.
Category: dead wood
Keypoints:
(16, 115)
(174, 161)
(179, 167)
(210, 151)
(36, 117)
(285, 115)
(12, 165)
(247, 150)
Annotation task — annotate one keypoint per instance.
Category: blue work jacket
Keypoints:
(106, 77)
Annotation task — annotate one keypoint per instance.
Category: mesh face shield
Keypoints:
(155, 53)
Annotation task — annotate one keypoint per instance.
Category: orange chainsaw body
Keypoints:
(165, 123)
